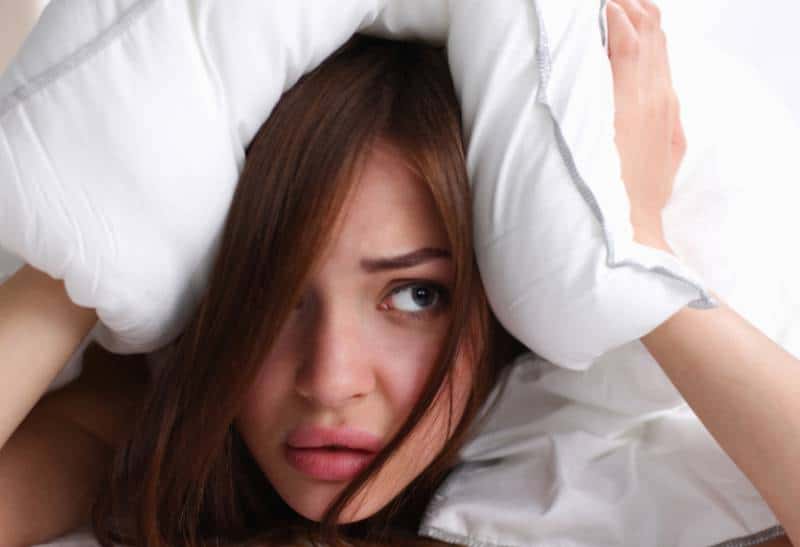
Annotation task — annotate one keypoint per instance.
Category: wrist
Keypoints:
(40, 328)
(38, 293)
(651, 234)
(653, 240)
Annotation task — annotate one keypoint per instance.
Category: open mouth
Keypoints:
(330, 453)
(338, 449)
(331, 463)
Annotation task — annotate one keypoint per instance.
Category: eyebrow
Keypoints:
(409, 260)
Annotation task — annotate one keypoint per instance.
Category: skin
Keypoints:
(40, 328)
(741, 385)
(353, 354)
(647, 123)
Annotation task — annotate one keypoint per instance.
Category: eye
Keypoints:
(419, 299)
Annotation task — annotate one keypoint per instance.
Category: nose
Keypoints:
(337, 361)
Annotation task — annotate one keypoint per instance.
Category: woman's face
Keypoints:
(357, 351)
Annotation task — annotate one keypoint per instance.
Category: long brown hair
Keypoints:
(184, 475)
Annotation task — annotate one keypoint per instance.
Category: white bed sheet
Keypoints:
(765, 41)
(613, 456)
(76, 539)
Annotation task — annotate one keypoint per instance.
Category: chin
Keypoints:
(313, 502)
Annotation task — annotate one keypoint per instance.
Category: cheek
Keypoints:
(411, 357)
(421, 447)
(268, 397)
(437, 427)
(404, 359)
(452, 397)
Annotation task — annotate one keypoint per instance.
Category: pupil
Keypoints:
(422, 296)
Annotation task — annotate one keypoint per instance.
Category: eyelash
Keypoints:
(441, 304)
(436, 309)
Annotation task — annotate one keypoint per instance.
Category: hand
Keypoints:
(649, 134)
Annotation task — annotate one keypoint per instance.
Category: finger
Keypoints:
(623, 40)
(636, 14)
(658, 42)
(652, 10)
(653, 72)
(664, 58)
(623, 50)
(645, 18)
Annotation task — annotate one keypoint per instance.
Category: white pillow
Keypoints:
(82, 538)
(123, 127)
(9, 264)
(613, 455)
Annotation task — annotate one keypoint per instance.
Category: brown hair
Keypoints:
(184, 476)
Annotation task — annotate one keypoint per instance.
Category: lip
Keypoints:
(309, 450)
(313, 436)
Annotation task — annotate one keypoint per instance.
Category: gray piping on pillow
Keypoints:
(450, 537)
(754, 539)
(603, 23)
(75, 59)
(458, 539)
(543, 57)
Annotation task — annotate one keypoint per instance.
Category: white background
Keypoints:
(762, 33)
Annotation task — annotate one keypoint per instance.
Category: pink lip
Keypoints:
(309, 450)
(312, 436)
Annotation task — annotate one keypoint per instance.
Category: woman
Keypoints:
(345, 302)
(345, 297)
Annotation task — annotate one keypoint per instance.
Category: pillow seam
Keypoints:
(459, 539)
(544, 60)
(75, 59)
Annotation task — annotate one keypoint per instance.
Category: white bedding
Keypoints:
(76, 539)
(767, 50)
(613, 456)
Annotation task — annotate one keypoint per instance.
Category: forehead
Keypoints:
(392, 210)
